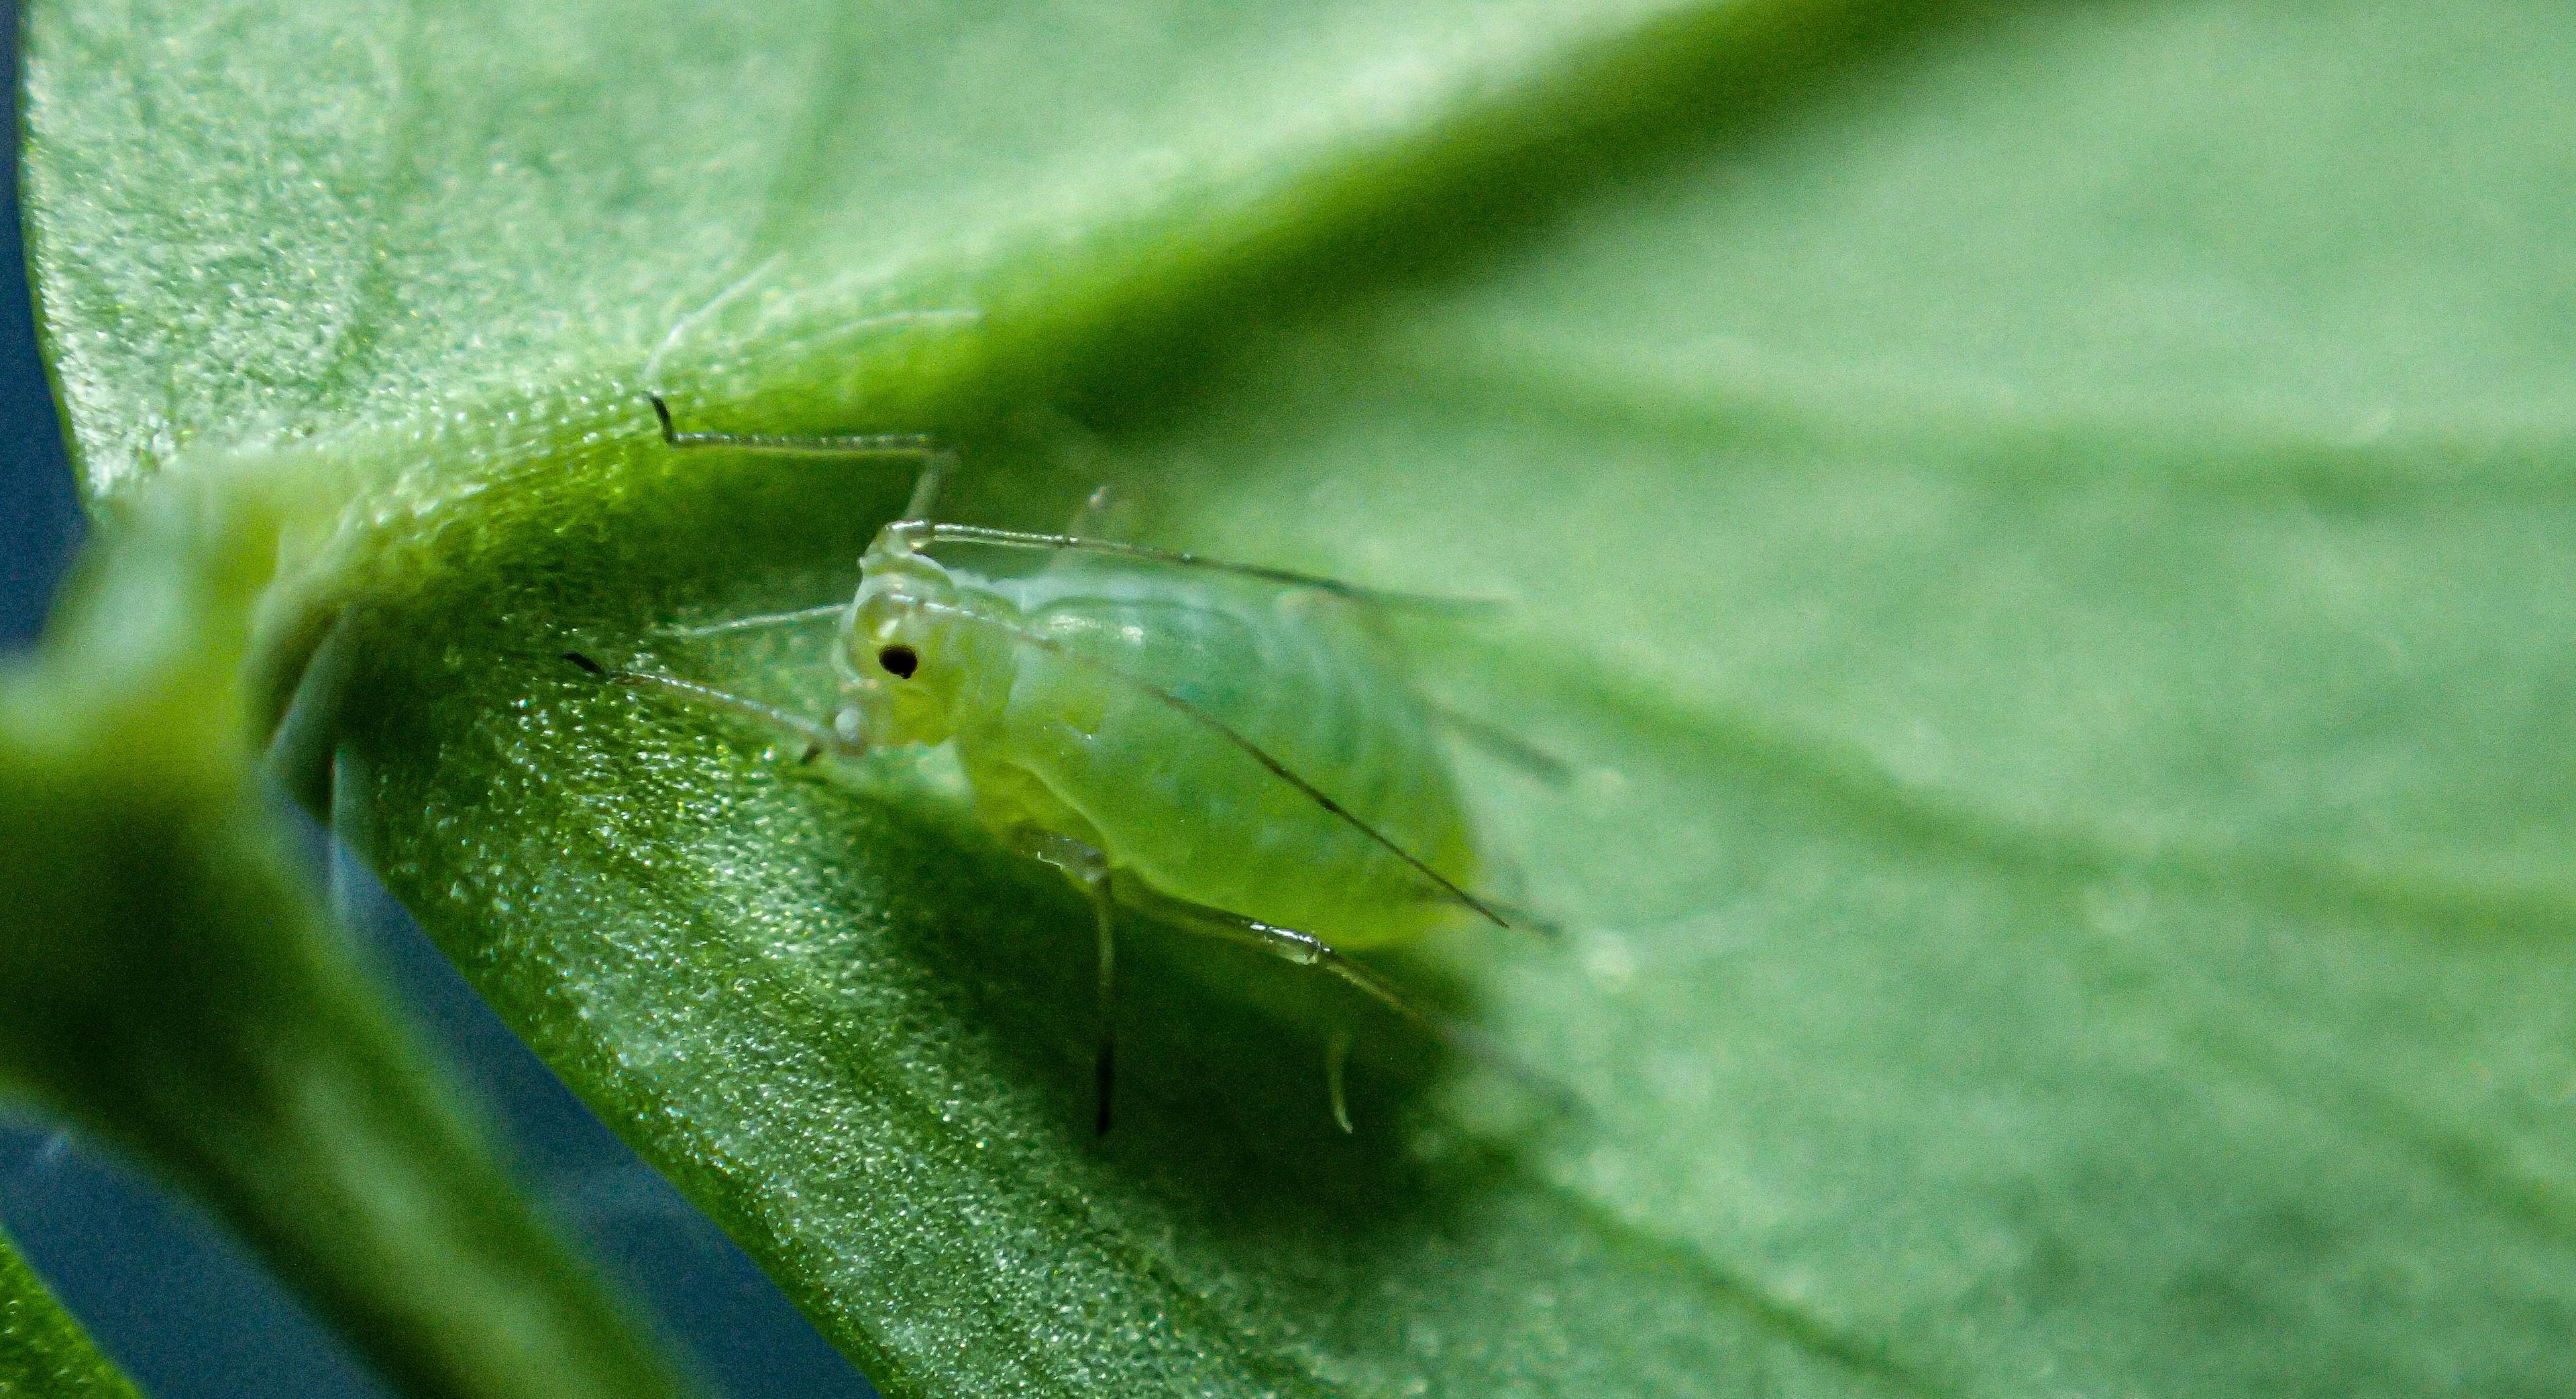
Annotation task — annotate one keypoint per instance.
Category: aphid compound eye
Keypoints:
(899, 661)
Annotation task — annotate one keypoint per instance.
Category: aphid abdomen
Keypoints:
(1193, 815)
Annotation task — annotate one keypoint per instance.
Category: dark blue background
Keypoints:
(167, 1294)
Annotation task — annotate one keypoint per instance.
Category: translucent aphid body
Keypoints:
(1231, 748)
(1059, 739)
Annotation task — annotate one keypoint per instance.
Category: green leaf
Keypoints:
(169, 985)
(2042, 531)
(43, 1352)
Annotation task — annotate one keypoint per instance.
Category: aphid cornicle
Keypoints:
(1227, 747)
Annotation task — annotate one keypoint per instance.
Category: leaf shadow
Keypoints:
(1221, 1111)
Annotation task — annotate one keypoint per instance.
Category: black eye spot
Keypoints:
(899, 661)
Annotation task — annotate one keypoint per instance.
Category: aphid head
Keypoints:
(908, 657)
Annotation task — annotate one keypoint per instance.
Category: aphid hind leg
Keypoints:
(1307, 950)
(1088, 869)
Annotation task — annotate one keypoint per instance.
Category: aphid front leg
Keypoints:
(1089, 869)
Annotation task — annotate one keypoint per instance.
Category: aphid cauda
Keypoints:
(1226, 747)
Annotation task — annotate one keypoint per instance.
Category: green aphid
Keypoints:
(1227, 747)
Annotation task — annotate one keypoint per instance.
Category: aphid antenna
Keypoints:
(937, 461)
(1232, 735)
(1527, 920)
(837, 444)
(927, 532)
(935, 458)
(818, 739)
(1503, 743)
(765, 619)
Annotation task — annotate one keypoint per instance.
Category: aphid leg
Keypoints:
(1090, 869)
(1104, 915)
(1337, 1052)
(935, 459)
(819, 738)
(1307, 950)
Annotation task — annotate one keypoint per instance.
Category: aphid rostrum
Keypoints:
(1226, 747)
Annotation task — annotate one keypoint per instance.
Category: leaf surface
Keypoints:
(2042, 532)
(43, 1352)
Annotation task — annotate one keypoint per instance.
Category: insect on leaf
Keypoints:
(2038, 533)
